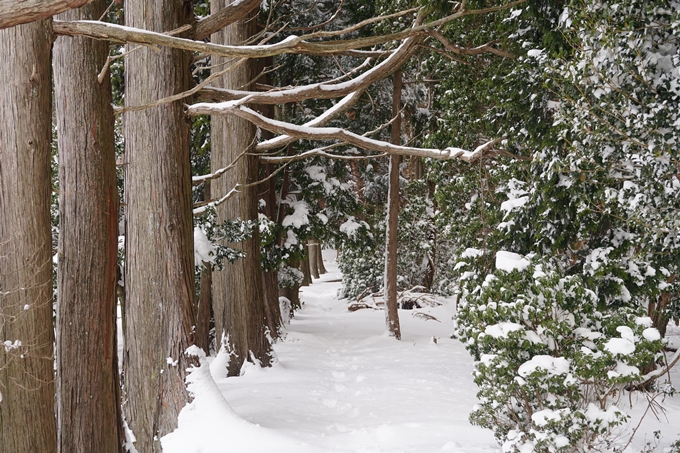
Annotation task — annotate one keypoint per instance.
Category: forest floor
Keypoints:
(341, 384)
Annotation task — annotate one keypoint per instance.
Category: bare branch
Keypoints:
(226, 16)
(292, 44)
(315, 153)
(196, 180)
(15, 13)
(326, 90)
(488, 47)
(203, 206)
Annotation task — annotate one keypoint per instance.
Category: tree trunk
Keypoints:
(270, 283)
(203, 310)
(304, 268)
(392, 234)
(88, 390)
(238, 296)
(204, 299)
(21, 12)
(312, 252)
(319, 256)
(27, 422)
(159, 271)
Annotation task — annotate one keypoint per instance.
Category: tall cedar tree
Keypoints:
(238, 296)
(26, 367)
(88, 390)
(159, 270)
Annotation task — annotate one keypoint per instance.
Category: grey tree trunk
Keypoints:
(159, 271)
(238, 295)
(392, 234)
(27, 422)
(88, 389)
(313, 253)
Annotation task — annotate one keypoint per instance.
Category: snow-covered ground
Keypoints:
(342, 385)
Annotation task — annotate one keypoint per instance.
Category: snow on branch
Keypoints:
(334, 133)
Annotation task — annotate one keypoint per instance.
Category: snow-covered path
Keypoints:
(342, 385)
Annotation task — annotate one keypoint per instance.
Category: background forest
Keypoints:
(182, 165)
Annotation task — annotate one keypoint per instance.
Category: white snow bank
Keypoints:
(209, 425)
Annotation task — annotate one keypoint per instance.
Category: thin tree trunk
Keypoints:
(312, 252)
(27, 422)
(392, 234)
(159, 271)
(238, 295)
(88, 390)
(204, 299)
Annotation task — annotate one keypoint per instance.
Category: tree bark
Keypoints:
(21, 12)
(159, 271)
(88, 390)
(392, 234)
(312, 252)
(238, 296)
(27, 422)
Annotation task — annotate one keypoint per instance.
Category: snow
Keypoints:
(299, 217)
(204, 250)
(651, 334)
(472, 253)
(502, 329)
(341, 385)
(508, 261)
(553, 365)
(620, 346)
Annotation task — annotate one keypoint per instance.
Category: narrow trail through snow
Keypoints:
(342, 385)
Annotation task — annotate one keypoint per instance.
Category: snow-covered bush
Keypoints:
(551, 361)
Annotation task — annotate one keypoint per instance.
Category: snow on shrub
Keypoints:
(551, 363)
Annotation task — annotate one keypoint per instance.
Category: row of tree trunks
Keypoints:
(238, 296)
(27, 423)
(88, 389)
(159, 271)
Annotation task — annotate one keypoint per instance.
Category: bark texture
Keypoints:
(20, 12)
(392, 234)
(27, 422)
(88, 389)
(238, 296)
(159, 271)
